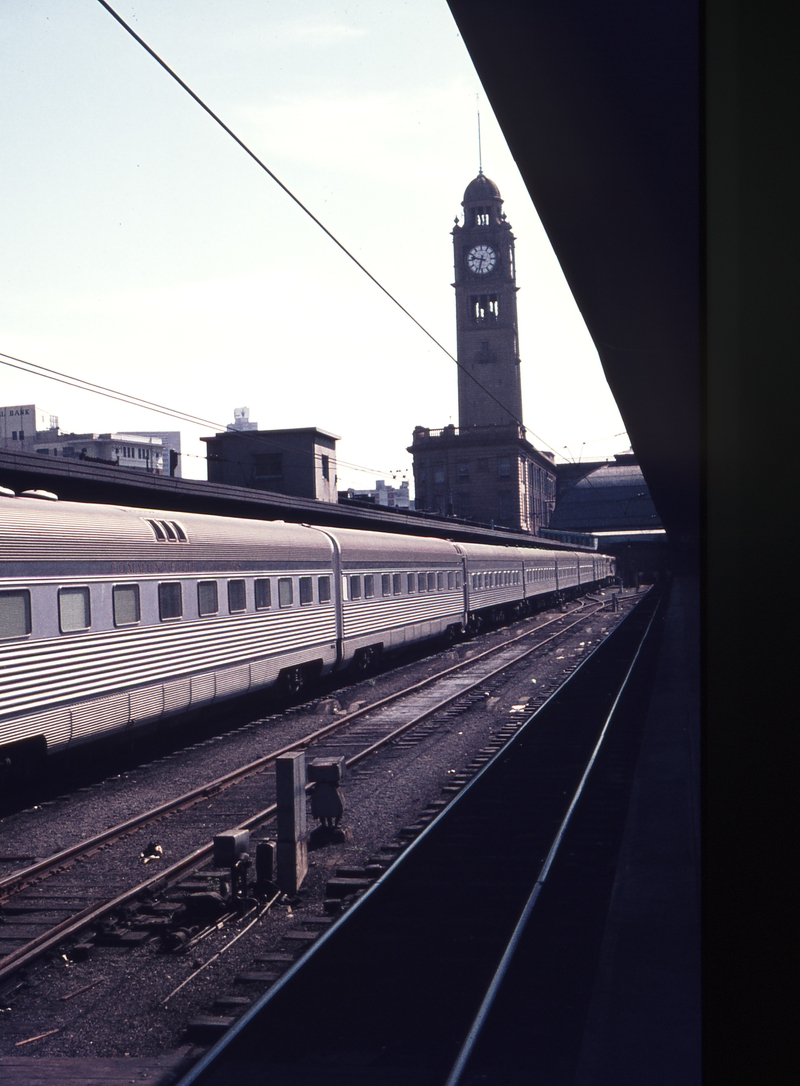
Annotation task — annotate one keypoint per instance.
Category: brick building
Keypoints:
(485, 469)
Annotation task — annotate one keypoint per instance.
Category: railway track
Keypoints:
(431, 960)
(52, 901)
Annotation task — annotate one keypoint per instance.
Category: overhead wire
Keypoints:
(203, 105)
(21, 364)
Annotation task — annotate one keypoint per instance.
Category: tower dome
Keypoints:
(482, 188)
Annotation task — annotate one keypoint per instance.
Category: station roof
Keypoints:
(600, 105)
(80, 480)
(603, 497)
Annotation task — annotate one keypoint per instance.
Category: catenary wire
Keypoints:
(136, 401)
(310, 214)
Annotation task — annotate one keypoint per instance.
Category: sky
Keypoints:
(142, 249)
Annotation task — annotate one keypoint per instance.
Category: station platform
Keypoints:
(644, 1019)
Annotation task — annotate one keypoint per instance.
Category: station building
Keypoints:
(485, 469)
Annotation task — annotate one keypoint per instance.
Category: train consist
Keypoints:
(112, 618)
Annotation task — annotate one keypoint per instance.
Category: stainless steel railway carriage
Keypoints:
(113, 617)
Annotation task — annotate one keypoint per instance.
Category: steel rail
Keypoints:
(17, 880)
(48, 940)
(455, 1076)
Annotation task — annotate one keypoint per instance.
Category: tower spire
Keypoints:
(480, 156)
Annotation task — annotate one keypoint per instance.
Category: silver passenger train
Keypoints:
(113, 617)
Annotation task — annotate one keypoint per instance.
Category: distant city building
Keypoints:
(171, 449)
(241, 420)
(121, 450)
(390, 496)
(20, 423)
(298, 461)
(485, 469)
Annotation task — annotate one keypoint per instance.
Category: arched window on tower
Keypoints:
(481, 216)
(485, 308)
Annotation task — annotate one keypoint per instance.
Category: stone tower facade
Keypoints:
(485, 469)
(489, 388)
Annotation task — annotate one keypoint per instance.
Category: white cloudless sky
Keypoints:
(142, 249)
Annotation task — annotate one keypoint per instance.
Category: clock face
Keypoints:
(481, 259)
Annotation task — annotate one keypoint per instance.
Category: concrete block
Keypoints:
(292, 865)
(290, 781)
(228, 847)
(326, 770)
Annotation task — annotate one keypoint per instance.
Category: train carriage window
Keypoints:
(125, 599)
(451, 579)
(397, 583)
(458, 578)
(158, 531)
(170, 531)
(179, 532)
(431, 582)
(306, 586)
(369, 586)
(207, 600)
(412, 582)
(386, 584)
(263, 593)
(324, 586)
(440, 582)
(74, 609)
(285, 592)
(237, 595)
(355, 587)
(170, 600)
(15, 613)
(422, 582)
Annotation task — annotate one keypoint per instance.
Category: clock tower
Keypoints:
(485, 469)
(489, 389)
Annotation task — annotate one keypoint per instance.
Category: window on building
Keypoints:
(439, 474)
(125, 598)
(207, 598)
(369, 586)
(324, 589)
(237, 595)
(15, 613)
(504, 467)
(326, 466)
(397, 583)
(355, 587)
(268, 465)
(484, 308)
(463, 473)
(481, 216)
(306, 590)
(285, 592)
(74, 609)
(170, 600)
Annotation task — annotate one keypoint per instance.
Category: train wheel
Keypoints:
(292, 681)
